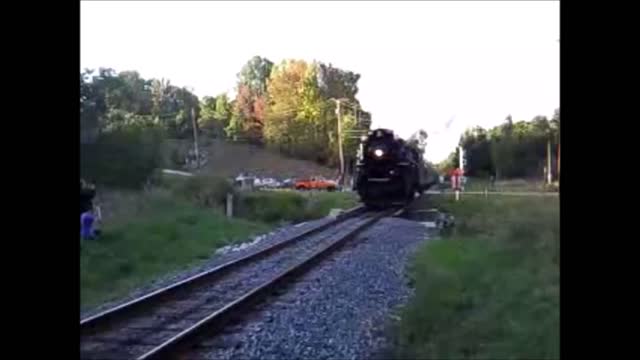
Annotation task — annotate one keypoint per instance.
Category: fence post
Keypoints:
(229, 205)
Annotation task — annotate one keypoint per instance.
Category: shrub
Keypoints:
(207, 191)
(272, 206)
(124, 156)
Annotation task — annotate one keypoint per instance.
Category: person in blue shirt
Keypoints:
(87, 221)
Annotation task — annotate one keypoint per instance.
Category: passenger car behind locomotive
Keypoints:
(389, 171)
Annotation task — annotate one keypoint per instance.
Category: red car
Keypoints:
(316, 183)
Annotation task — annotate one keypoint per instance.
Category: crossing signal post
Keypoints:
(462, 161)
(456, 182)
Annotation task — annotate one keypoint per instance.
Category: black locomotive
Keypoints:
(389, 171)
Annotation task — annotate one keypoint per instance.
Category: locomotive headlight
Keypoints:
(378, 152)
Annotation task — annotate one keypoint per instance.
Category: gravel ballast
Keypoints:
(158, 323)
(218, 257)
(338, 310)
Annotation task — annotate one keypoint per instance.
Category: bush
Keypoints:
(272, 206)
(125, 156)
(207, 191)
(177, 157)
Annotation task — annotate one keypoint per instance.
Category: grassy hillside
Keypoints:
(229, 159)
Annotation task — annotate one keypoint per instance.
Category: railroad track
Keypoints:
(165, 322)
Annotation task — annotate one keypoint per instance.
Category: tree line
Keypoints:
(510, 150)
(289, 106)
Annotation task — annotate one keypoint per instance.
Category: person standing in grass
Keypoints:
(89, 214)
(88, 222)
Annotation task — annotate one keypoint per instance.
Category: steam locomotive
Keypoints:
(389, 171)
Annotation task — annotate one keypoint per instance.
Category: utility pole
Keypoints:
(558, 161)
(195, 137)
(338, 112)
(549, 161)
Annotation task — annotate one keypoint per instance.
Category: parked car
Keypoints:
(316, 183)
(270, 183)
(287, 183)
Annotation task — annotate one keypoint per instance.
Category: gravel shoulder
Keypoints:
(339, 310)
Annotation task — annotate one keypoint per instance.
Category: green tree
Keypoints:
(477, 149)
(254, 75)
(207, 121)
(222, 109)
(160, 97)
(512, 149)
(449, 164)
(92, 107)
(121, 144)
(337, 83)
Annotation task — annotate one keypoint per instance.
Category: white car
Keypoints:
(270, 183)
(244, 181)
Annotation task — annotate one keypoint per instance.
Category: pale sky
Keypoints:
(440, 66)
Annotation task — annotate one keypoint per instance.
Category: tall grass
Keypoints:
(525, 185)
(320, 203)
(162, 235)
(288, 206)
(147, 234)
(489, 289)
(207, 191)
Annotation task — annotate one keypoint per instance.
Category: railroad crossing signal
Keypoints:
(456, 182)
(462, 160)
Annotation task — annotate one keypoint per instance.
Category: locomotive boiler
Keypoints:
(389, 171)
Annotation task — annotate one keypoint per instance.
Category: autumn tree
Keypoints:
(283, 128)
(301, 117)
(249, 110)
